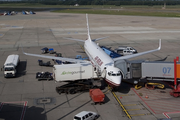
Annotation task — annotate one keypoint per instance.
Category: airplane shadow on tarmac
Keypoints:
(13, 111)
(124, 88)
(21, 69)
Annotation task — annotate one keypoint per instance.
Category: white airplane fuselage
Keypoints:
(101, 61)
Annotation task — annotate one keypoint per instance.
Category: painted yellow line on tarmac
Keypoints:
(131, 104)
(126, 95)
(141, 114)
(121, 105)
(138, 115)
(134, 109)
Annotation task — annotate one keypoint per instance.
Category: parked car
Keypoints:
(125, 50)
(86, 115)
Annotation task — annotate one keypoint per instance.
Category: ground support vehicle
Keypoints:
(125, 50)
(76, 86)
(73, 72)
(97, 96)
(58, 62)
(10, 66)
(86, 115)
(44, 76)
(80, 57)
(79, 77)
(154, 71)
(48, 50)
(110, 52)
(51, 51)
(45, 50)
(58, 55)
(41, 63)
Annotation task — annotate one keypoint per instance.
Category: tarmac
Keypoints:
(22, 97)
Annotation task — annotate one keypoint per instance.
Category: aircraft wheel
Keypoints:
(72, 91)
(60, 91)
(95, 117)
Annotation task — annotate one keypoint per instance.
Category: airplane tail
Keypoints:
(88, 34)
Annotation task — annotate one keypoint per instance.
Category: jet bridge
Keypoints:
(141, 69)
(130, 69)
(152, 70)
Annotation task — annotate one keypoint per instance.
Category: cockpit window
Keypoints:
(113, 74)
(118, 74)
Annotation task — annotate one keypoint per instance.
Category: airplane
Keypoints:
(10, 13)
(103, 63)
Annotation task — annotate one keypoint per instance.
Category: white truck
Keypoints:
(77, 76)
(10, 65)
(125, 50)
(72, 72)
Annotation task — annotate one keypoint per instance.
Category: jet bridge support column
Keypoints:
(176, 91)
(175, 74)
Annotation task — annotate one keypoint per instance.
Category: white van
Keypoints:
(10, 65)
(86, 115)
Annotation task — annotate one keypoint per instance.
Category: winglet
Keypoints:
(22, 49)
(88, 34)
(159, 44)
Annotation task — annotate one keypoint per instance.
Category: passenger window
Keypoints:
(90, 114)
(87, 116)
(83, 117)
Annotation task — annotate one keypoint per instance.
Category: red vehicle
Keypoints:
(97, 95)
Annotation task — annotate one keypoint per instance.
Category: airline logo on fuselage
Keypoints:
(98, 60)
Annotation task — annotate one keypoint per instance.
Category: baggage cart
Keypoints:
(97, 96)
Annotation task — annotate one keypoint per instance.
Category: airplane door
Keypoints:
(104, 73)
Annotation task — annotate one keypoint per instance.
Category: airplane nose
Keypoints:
(117, 80)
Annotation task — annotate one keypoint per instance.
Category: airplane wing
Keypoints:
(84, 40)
(138, 54)
(57, 58)
(75, 39)
(99, 38)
